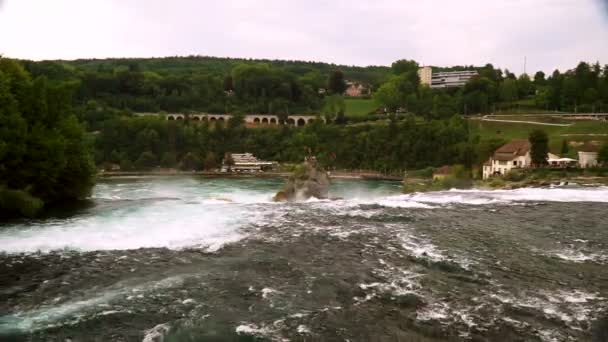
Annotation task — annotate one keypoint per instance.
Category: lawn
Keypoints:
(579, 131)
(359, 108)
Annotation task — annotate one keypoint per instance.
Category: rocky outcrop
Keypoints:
(307, 181)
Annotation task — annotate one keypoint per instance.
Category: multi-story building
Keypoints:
(426, 75)
(452, 79)
(445, 79)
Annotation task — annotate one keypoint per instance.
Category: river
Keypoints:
(195, 259)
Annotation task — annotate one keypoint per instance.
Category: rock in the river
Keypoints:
(308, 180)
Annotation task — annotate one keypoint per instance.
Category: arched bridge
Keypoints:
(250, 119)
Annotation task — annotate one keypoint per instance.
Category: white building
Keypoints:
(445, 79)
(246, 162)
(452, 79)
(513, 155)
(425, 74)
(587, 155)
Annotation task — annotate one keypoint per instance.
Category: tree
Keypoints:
(403, 66)
(564, 149)
(44, 155)
(602, 156)
(168, 160)
(539, 78)
(539, 147)
(508, 90)
(336, 83)
(525, 87)
(334, 107)
(210, 162)
(228, 161)
(190, 162)
(146, 161)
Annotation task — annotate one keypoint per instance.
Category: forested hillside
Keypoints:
(216, 85)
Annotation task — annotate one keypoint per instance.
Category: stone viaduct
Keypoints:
(251, 119)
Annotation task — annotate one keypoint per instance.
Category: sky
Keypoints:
(549, 34)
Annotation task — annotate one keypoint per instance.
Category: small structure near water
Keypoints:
(245, 163)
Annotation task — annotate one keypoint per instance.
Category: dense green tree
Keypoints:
(190, 162)
(388, 96)
(210, 162)
(539, 147)
(336, 83)
(525, 87)
(44, 154)
(146, 161)
(602, 156)
(334, 107)
(564, 149)
(508, 90)
(168, 160)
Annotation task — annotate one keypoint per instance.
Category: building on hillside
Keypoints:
(245, 163)
(357, 89)
(452, 79)
(587, 155)
(445, 79)
(515, 154)
(425, 74)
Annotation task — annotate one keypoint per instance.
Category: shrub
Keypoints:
(19, 202)
(190, 162)
(168, 160)
(146, 161)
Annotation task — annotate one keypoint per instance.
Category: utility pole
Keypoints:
(525, 62)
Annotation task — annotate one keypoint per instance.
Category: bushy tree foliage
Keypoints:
(336, 84)
(539, 148)
(44, 154)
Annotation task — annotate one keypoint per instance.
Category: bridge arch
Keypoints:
(265, 120)
(291, 122)
(301, 122)
(273, 121)
(256, 120)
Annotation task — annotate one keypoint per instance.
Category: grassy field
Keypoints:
(358, 108)
(580, 131)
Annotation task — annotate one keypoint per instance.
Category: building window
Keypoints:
(515, 162)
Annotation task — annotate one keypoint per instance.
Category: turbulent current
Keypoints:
(192, 259)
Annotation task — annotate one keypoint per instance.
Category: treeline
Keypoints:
(583, 89)
(44, 156)
(148, 142)
(218, 85)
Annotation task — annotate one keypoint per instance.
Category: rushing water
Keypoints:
(216, 260)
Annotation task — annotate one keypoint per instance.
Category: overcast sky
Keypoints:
(551, 33)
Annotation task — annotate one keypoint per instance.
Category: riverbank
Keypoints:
(515, 180)
(208, 174)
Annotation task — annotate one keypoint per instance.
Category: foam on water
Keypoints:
(480, 197)
(187, 213)
(169, 214)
